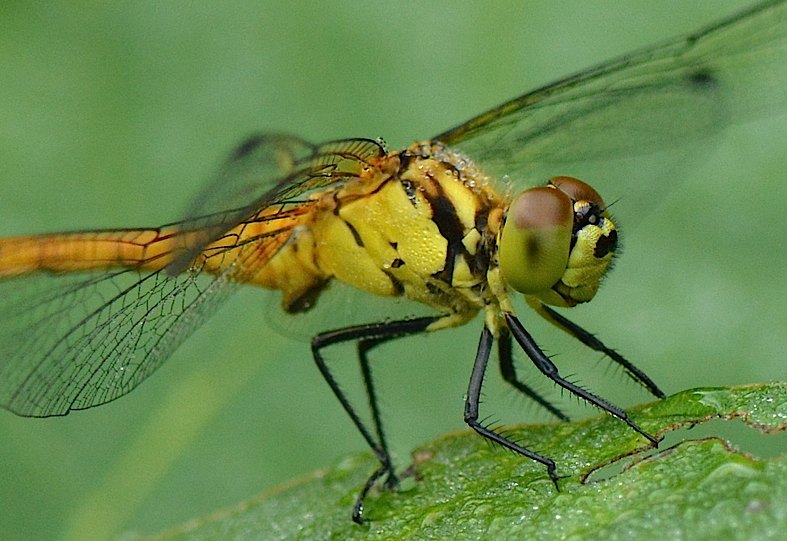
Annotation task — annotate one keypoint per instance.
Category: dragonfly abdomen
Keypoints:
(146, 249)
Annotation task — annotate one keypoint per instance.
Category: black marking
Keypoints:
(396, 263)
(356, 236)
(405, 159)
(589, 214)
(606, 244)
(396, 283)
(444, 215)
(434, 289)
(481, 219)
(306, 301)
(410, 189)
(479, 263)
(394, 245)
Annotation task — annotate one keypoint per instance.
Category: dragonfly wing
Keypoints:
(265, 171)
(661, 98)
(71, 338)
(73, 341)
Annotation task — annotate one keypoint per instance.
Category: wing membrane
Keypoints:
(91, 323)
(664, 97)
(265, 171)
(74, 341)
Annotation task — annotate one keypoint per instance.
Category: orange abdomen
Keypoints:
(273, 249)
(148, 249)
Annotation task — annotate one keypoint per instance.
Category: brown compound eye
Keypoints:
(535, 243)
(576, 190)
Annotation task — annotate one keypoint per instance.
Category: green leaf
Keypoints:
(459, 487)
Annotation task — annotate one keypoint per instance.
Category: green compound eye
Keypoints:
(536, 239)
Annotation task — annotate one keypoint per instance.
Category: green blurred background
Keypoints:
(114, 114)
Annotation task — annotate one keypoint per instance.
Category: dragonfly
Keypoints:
(451, 223)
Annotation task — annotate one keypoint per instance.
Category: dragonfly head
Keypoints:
(557, 242)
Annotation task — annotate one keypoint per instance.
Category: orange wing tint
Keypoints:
(89, 315)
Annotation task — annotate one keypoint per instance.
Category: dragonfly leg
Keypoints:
(364, 347)
(597, 345)
(508, 372)
(472, 402)
(548, 368)
(368, 336)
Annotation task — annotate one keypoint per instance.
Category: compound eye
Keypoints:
(576, 190)
(536, 239)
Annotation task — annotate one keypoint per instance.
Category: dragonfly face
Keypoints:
(558, 242)
(87, 316)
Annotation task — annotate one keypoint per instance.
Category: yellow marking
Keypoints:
(582, 277)
(383, 220)
(464, 200)
(463, 276)
(292, 270)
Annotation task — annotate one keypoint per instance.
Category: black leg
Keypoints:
(595, 344)
(548, 368)
(508, 371)
(371, 334)
(471, 407)
(364, 347)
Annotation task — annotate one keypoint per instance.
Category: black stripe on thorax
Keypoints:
(445, 216)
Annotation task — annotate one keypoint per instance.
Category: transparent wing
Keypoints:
(263, 171)
(667, 97)
(69, 342)
(72, 338)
